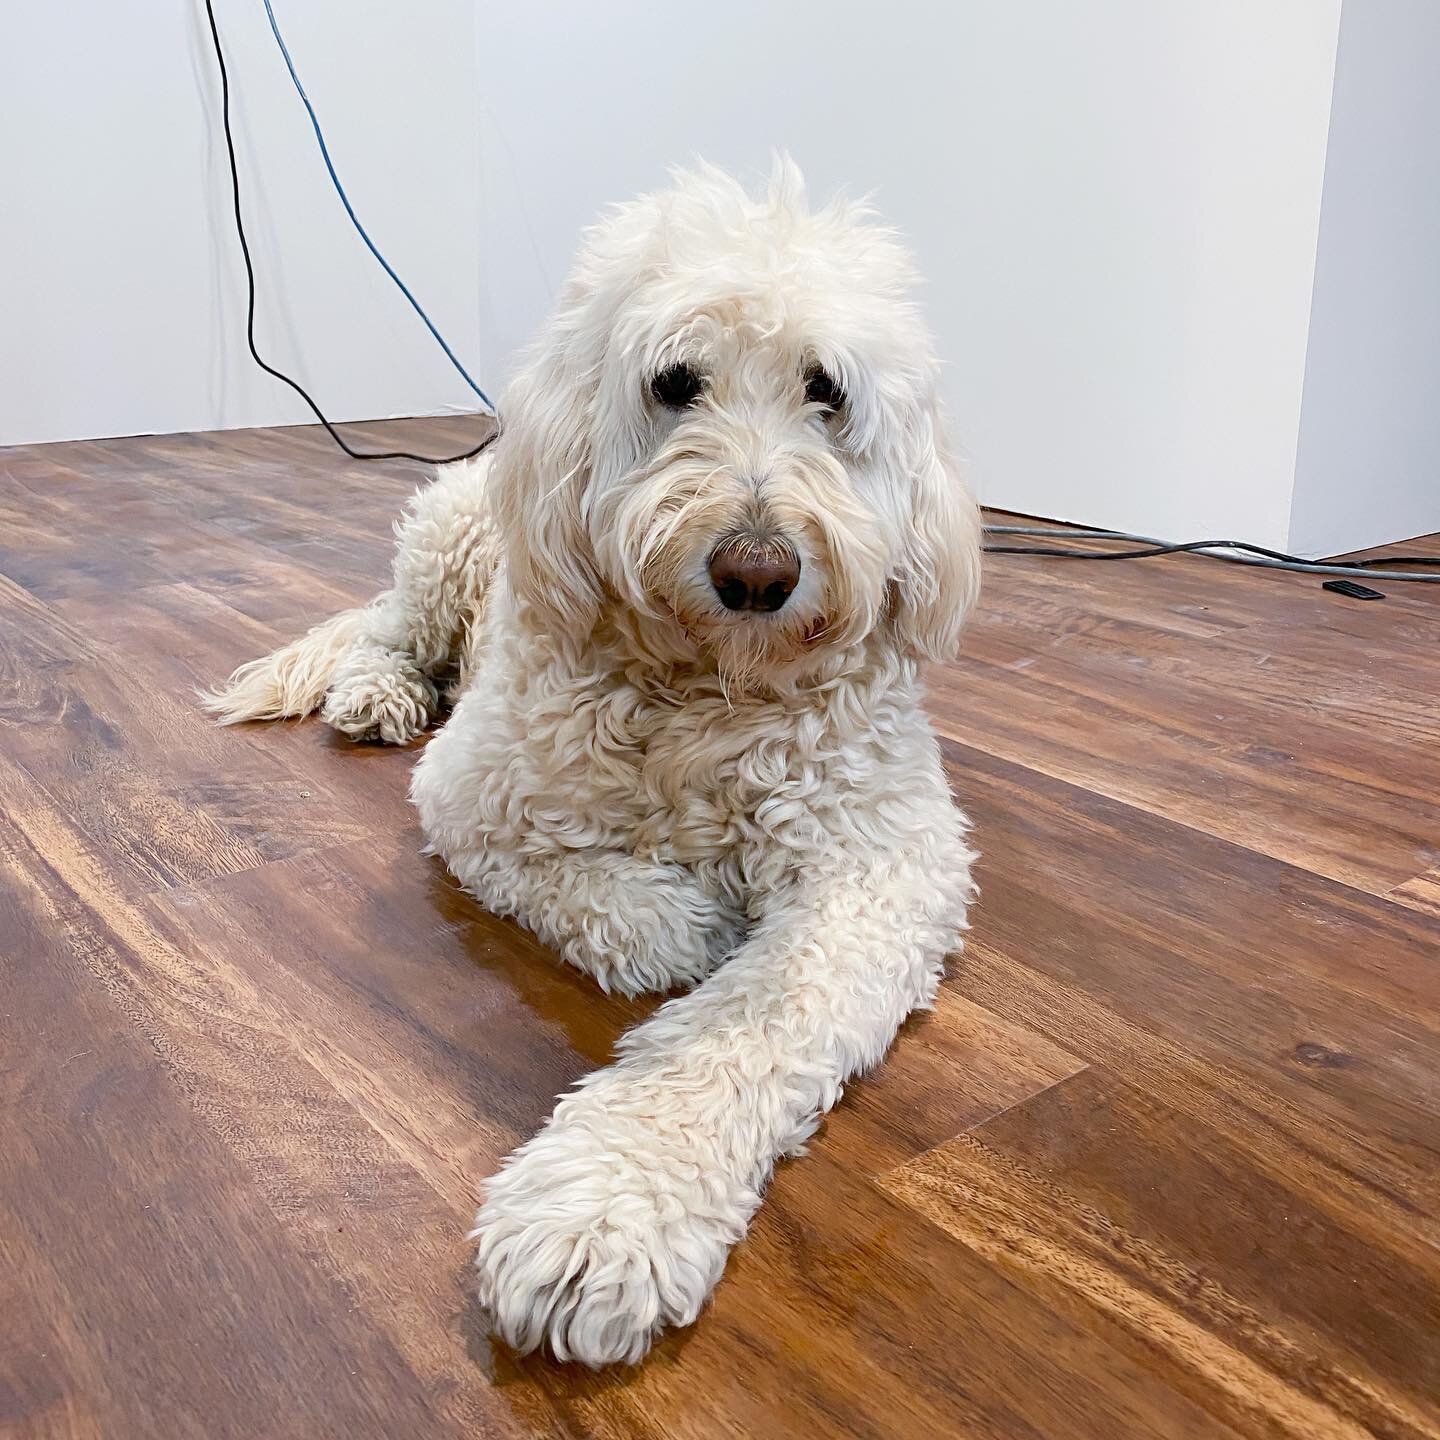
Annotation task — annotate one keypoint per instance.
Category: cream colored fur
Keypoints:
(670, 793)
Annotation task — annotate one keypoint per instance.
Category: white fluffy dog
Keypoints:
(688, 595)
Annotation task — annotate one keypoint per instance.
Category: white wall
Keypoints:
(122, 307)
(1115, 203)
(1118, 206)
(1369, 463)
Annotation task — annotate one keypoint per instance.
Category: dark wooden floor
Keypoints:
(1162, 1163)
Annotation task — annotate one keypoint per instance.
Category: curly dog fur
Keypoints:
(671, 789)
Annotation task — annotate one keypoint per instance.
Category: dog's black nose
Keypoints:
(751, 574)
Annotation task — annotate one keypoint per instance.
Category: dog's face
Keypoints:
(730, 429)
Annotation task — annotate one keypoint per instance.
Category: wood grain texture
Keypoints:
(1162, 1162)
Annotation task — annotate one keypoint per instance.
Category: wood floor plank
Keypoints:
(1228, 981)
(35, 635)
(395, 985)
(167, 1266)
(1290, 724)
(92, 732)
(1340, 802)
(1104, 1202)
(952, 1069)
(1420, 892)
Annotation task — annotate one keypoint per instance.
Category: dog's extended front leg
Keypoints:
(615, 1220)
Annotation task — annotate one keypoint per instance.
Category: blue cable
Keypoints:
(355, 219)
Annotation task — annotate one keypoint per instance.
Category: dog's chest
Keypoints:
(710, 779)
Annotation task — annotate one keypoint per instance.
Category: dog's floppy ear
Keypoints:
(542, 470)
(940, 576)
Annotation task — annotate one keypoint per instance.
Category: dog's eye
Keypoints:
(677, 387)
(822, 388)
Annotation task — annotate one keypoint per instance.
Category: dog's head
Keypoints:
(730, 428)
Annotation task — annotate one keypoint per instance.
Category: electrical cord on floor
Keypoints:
(250, 284)
(1246, 554)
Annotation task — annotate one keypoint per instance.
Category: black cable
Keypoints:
(1257, 555)
(1176, 549)
(1144, 554)
(1055, 554)
(250, 289)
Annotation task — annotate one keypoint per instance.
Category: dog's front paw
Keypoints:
(590, 1252)
(393, 703)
